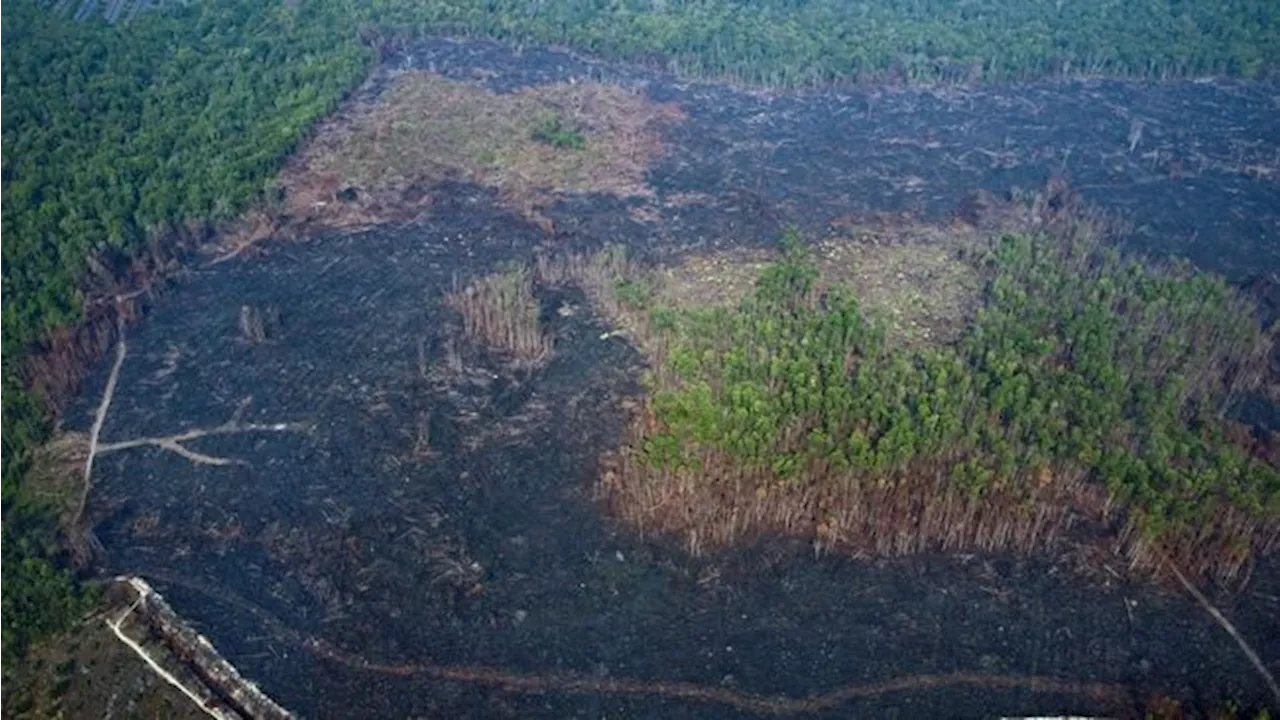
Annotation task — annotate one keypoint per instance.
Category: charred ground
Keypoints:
(439, 510)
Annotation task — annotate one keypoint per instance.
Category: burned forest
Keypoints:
(481, 360)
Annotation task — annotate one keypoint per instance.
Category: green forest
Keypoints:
(1078, 360)
(113, 134)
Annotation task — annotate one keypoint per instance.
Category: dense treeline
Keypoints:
(114, 133)
(783, 41)
(39, 596)
(111, 133)
(1080, 363)
(796, 43)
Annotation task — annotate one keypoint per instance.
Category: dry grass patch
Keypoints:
(379, 160)
(916, 283)
(924, 293)
(719, 279)
(500, 311)
(721, 502)
(56, 476)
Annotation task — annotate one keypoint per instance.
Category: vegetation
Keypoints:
(115, 136)
(39, 597)
(554, 131)
(500, 311)
(76, 674)
(111, 137)
(583, 136)
(916, 285)
(1085, 388)
(786, 43)
(1087, 381)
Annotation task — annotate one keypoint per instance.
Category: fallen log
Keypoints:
(186, 660)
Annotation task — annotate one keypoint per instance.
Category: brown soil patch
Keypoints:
(379, 159)
(911, 278)
(720, 279)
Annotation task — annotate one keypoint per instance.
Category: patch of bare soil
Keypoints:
(717, 279)
(379, 160)
(910, 276)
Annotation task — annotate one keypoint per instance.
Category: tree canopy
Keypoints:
(114, 132)
(1079, 363)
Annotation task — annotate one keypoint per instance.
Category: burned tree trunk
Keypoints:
(187, 661)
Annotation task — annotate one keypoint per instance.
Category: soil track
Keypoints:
(438, 513)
